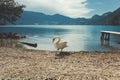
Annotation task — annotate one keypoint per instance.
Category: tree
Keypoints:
(10, 11)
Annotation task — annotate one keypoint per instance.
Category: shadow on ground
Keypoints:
(61, 55)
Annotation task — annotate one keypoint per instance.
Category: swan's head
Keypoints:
(55, 38)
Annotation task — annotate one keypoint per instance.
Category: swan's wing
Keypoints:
(63, 44)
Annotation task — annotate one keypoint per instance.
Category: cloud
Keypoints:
(70, 8)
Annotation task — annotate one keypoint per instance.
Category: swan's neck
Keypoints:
(58, 40)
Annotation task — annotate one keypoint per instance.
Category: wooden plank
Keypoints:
(111, 32)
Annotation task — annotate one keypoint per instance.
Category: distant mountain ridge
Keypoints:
(31, 18)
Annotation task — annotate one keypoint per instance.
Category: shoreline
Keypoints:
(28, 64)
(112, 50)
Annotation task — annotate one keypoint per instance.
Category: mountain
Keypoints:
(113, 18)
(109, 18)
(30, 18)
(97, 19)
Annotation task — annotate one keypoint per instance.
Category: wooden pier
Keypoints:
(105, 35)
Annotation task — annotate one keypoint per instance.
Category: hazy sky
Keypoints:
(71, 8)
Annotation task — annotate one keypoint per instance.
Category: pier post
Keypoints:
(108, 36)
(102, 36)
(105, 38)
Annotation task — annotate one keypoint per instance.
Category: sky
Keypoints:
(71, 8)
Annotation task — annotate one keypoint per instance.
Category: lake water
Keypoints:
(79, 37)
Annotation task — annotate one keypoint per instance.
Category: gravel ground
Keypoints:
(23, 64)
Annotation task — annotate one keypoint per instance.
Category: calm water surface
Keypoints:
(79, 37)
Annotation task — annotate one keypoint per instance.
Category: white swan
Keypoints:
(59, 45)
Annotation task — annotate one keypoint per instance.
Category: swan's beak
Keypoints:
(53, 40)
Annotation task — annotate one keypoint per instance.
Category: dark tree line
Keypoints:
(10, 11)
